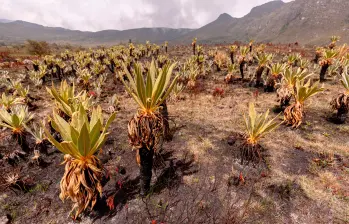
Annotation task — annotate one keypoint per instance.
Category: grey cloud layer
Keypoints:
(96, 15)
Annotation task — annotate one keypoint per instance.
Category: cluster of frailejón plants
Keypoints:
(76, 83)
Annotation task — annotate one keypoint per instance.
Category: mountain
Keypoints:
(156, 35)
(5, 21)
(266, 8)
(216, 31)
(20, 31)
(303, 21)
(226, 29)
(306, 21)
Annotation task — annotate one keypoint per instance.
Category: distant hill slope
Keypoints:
(216, 30)
(5, 21)
(224, 28)
(20, 31)
(304, 21)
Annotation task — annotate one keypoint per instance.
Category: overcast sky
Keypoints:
(95, 15)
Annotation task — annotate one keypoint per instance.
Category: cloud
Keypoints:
(94, 15)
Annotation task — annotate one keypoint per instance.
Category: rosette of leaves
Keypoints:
(146, 127)
(82, 139)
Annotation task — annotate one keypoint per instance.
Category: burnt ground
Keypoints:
(197, 176)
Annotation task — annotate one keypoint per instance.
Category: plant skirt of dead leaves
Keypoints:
(82, 138)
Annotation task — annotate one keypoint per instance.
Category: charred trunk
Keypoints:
(242, 64)
(259, 73)
(73, 70)
(131, 53)
(232, 57)
(323, 72)
(166, 125)
(250, 153)
(146, 166)
(59, 72)
(342, 114)
(270, 86)
(22, 142)
(284, 103)
(267, 72)
(218, 68)
(42, 147)
(194, 48)
(36, 67)
(111, 68)
(316, 59)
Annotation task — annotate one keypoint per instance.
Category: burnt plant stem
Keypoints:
(323, 72)
(59, 72)
(146, 166)
(242, 64)
(250, 153)
(111, 68)
(316, 59)
(270, 85)
(36, 67)
(166, 125)
(259, 73)
(342, 114)
(218, 68)
(267, 72)
(232, 57)
(22, 142)
(285, 103)
(73, 70)
(42, 147)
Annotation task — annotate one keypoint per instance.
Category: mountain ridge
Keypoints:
(303, 21)
(5, 21)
